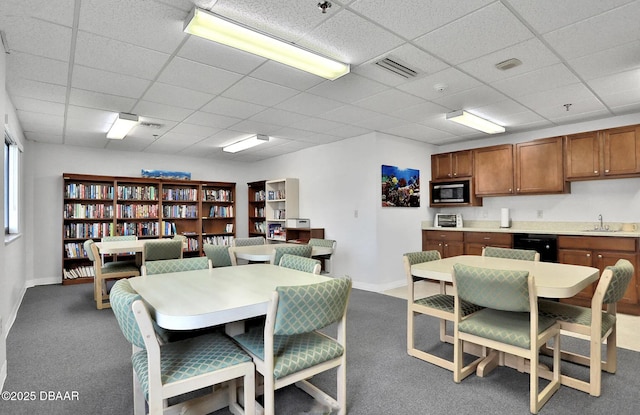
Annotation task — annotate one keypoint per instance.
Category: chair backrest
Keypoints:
(510, 253)
(179, 238)
(122, 297)
(119, 238)
(165, 266)
(304, 308)
(327, 243)
(254, 240)
(218, 254)
(299, 250)
(87, 248)
(506, 290)
(411, 258)
(162, 249)
(300, 263)
(622, 273)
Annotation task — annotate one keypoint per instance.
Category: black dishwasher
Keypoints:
(546, 245)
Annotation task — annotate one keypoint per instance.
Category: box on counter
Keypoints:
(298, 223)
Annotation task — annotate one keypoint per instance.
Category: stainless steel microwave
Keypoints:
(451, 192)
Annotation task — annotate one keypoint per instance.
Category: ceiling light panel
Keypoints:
(122, 125)
(475, 122)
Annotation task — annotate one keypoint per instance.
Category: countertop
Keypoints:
(549, 228)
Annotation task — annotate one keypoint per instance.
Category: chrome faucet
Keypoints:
(600, 219)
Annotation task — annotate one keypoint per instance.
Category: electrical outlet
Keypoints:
(355, 213)
(540, 214)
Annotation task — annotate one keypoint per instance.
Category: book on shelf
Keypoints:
(229, 228)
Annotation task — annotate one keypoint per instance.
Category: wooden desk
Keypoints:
(552, 280)
(262, 253)
(204, 298)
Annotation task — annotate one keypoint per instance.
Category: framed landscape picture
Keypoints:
(400, 187)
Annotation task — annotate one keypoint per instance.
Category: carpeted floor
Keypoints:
(61, 343)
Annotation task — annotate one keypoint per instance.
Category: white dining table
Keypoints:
(263, 252)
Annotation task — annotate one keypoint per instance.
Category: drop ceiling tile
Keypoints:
(389, 100)
(348, 88)
(532, 53)
(420, 112)
(98, 100)
(43, 137)
(231, 107)
(197, 76)
(113, 55)
(610, 61)
(553, 101)
(471, 98)
(507, 113)
(548, 78)
(440, 123)
(616, 83)
(381, 122)
(166, 112)
(89, 115)
(259, 92)
(129, 144)
(601, 32)
(195, 130)
(548, 15)
(107, 82)
(176, 96)
(484, 31)
(292, 133)
(452, 79)
(308, 104)
(36, 68)
(176, 139)
(38, 106)
(349, 114)
(587, 110)
(211, 120)
(349, 38)
(86, 139)
(320, 138)
(158, 27)
(256, 127)
(278, 117)
(215, 54)
(418, 132)
(317, 125)
(37, 37)
(413, 18)
(42, 123)
(348, 131)
(55, 11)
(626, 109)
(272, 71)
(36, 90)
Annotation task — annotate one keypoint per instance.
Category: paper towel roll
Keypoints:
(504, 218)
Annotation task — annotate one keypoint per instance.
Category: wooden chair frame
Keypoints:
(104, 274)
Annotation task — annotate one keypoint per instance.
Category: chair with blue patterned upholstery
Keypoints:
(596, 326)
(509, 323)
(511, 253)
(302, 250)
(300, 263)
(219, 255)
(325, 243)
(291, 349)
(166, 266)
(106, 272)
(162, 249)
(439, 305)
(254, 240)
(164, 371)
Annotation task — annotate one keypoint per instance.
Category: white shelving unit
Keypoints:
(281, 204)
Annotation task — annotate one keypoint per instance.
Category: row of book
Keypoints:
(137, 192)
(218, 240)
(180, 211)
(221, 212)
(74, 250)
(138, 228)
(87, 211)
(259, 227)
(88, 230)
(88, 191)
(180, 194)
(260, 196)
(137, 211)
(276, 195)
(258, 212)
(279, 214)
(79, 272)
(218, 195)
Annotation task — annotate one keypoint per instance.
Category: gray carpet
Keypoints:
(61, 343)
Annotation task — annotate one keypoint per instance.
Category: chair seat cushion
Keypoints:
(125, 266)
(189, 358)
(446, 303)
(574, 314)
(504, 326)
(292, 353)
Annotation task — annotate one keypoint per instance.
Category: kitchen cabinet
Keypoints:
(539, 167)
(474, 242)
(448, 243)
(605, 154)
(452, 165)
(493, 170)
(601, 252)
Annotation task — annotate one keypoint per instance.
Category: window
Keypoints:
(11, 180)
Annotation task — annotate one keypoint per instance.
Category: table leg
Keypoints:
(234, 328)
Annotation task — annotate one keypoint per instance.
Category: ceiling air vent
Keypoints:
(397, 68)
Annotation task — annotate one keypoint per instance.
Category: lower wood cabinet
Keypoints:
(474, 242)
(601, 252)
(448, 243)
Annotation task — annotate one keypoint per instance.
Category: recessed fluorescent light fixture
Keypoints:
(122, 125)
(473, 121)
(219, 29)
(256, 140)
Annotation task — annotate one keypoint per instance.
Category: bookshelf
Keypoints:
(281, 204)
(256, 210)
(96, 206)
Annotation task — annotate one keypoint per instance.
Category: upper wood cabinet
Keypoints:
(493, 170)
(603, 154)
(539, 167)
(452, 165)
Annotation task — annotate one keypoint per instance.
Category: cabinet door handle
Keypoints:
(487, 238)
(599, 256)
(606, 171)
(588, 255)
(595, 171)
(446, 245)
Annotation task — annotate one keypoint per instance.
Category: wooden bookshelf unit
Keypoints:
(256, 199)
(97, 206)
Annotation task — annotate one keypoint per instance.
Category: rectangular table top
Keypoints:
(262, 253)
